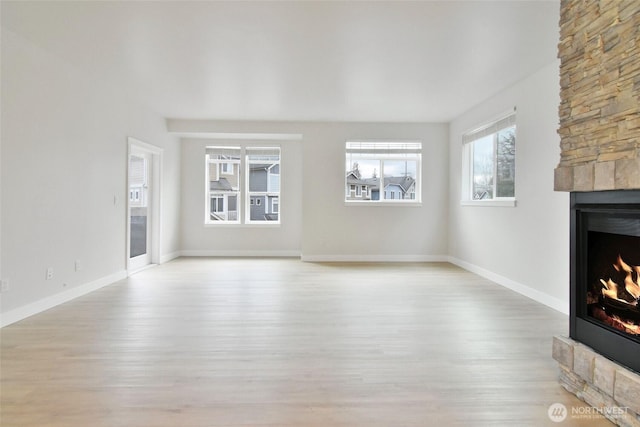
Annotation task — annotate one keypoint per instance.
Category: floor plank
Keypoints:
(278, 342)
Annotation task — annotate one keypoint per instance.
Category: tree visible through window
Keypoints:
(383, 172)
(491, 151)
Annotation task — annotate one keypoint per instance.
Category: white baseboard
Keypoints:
(375, 258)
(240, 254)
(39, 306)
(534, 294)
(170, 256)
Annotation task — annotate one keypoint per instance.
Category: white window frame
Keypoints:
(489, 128)
(244, 196)
(383, 151)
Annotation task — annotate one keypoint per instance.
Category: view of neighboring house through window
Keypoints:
(383, 172)
(229, 194)
(491, 153)
(223, 180)
(263, 165)
(137, 181)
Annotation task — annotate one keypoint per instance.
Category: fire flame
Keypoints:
(612, 290)
(629, 284)
(628, 295)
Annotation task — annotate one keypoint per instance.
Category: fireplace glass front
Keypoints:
(605, 273)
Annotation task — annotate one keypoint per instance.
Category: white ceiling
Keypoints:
(355, 60)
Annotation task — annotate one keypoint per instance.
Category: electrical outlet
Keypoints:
(49, 273)
(4, 286)
(78, 265)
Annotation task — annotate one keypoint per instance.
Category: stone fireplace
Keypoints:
(599, 130)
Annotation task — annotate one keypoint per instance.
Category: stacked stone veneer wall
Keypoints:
(612, 389)
(599, 129)
(599, 53)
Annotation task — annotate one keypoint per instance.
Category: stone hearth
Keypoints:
(610, 388)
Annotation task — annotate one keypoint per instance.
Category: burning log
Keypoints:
(615, 321)
(621, 303)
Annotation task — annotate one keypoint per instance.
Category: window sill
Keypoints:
(238, 225)
(394, 204)
(509, 203)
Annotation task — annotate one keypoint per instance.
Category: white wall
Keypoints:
(199, 239)
(64, 159)
(335, 231)
(525, 248)
(313, 180)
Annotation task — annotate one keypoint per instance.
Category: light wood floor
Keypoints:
(279, 342)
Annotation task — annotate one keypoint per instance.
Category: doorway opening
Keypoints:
(143, 205)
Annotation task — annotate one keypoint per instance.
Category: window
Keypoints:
(226, 168)
(378, 172)
(263, 182)
(228, 195)
(217, 203)
(489, 158)
(134, 194)
(222, 191)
